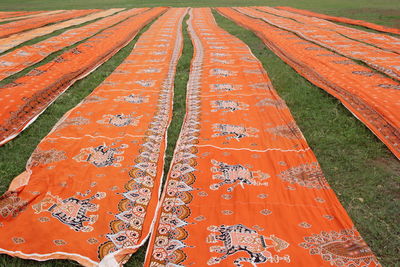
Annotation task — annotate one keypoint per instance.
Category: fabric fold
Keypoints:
(380, 40)
(342, 19)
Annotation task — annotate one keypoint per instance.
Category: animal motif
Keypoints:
(222, 61)
(145, 83)
(235, 131)
(239, 238)
(236, 175)
(134, 99)
(224, 87)
(71, 211)
(222, 72)
(120, 120)
(101, 156)
(228, 105)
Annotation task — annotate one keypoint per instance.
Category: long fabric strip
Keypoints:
(92, 185)
(383, 41)
(27, 15)
(343, 20)
(379, 59)
(370, 96)
(23, 100)
(244, 188)
(9, 14)
(26, 56)
(19, 38)
(23, 25)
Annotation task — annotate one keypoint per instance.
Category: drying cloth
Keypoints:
(23, 25)
(244, 188)
(343, 20)
(370, 96)
(379, 59)
(92, 185)
(23, 100)
(19, 38)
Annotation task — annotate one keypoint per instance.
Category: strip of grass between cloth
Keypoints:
(360, 169)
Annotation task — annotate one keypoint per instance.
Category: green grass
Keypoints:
(181, 79)
(361, 170)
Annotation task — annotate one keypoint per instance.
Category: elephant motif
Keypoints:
(120, 120)
(236, 238)
(236, 175)
(235, 131)
(101, 156)
(228, 105)
(71, 211)
(132, 98)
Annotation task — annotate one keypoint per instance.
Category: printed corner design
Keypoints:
(340, 248)
(307, 175)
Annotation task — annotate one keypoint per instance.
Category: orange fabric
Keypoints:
(10, 14)
(383, 41)
(27, 24)
(27, 15)
(26, 56)
(371, 97)
(94, 181)
(379, 59)
(342, 19)
(27, 97)
(19, 38)
(244, 186)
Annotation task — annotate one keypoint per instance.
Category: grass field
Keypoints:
(361, 170)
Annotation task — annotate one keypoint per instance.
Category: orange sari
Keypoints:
(10, 14)
(27, 15)
(341, 19)
(244, 187)
(381, 60)
(370, 96)
(92, 185)
(23, 100)
(23, 25)
(26, 56)
(382, 41)
(19, 38)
